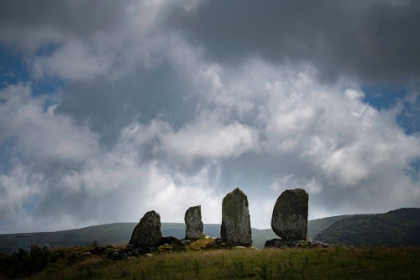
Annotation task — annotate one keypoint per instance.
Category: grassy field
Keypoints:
(297, 263)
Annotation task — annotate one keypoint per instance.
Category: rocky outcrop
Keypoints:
(236, 224)
(147, 233)
(278, 243)
(290, 215)
(193, 223)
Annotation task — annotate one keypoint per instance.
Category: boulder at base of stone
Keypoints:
(278, 243)
(290, 215)
(147, 232)
(193, 223)
(236, 223)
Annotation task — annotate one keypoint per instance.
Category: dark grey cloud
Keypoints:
(376, 41)
(109, 105)
(63, 18)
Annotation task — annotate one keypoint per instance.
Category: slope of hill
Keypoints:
(394, 228)
(120, 233)
(103, 234)
(317, 226)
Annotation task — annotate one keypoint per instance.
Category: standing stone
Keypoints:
(236, 223)
(290, 215)
(193, 223)
(147, 232)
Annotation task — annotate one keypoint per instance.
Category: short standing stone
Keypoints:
(193, 223)
(290, 215)
(236, 223)
(147, 232)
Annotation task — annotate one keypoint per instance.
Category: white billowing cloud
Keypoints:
(368, 141)
(16, 188)
(74, 61)
(171, 194)
(42, 135)
(331, 126)
(312, 186)
(207, 140)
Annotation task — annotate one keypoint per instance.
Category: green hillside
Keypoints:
(395, 228)
(103, 234)
(317, 226)
(120, 233)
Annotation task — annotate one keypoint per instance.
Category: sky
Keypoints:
(110, 109)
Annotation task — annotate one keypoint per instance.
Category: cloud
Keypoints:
(321, 137)
(372, 40)
(168, 105)
(207, 141)
(74, 61)
(378, 37)
(29, 26)
(70, 170)
(17, 187)
(41, 135)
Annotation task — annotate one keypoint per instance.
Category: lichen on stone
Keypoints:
(193, 223)
(147, 232)
(236, 224)
(290, 215)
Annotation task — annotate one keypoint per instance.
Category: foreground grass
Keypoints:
(298, 263)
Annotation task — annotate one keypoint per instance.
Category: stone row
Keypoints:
(289, 220)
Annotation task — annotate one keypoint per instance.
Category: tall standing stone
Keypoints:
(147, 232)
(290, 215)
(236, 222)
(193, 223)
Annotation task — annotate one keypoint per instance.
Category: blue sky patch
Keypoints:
(383, 96)
(13, 68)
(7, 152)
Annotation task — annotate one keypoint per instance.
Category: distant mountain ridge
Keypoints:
(394, 228)
(397, 227)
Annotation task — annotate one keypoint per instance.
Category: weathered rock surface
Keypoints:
(278, 243)
(147, 232)
(170, 244)
(290, 215)
(236, 223)
(193, 223)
